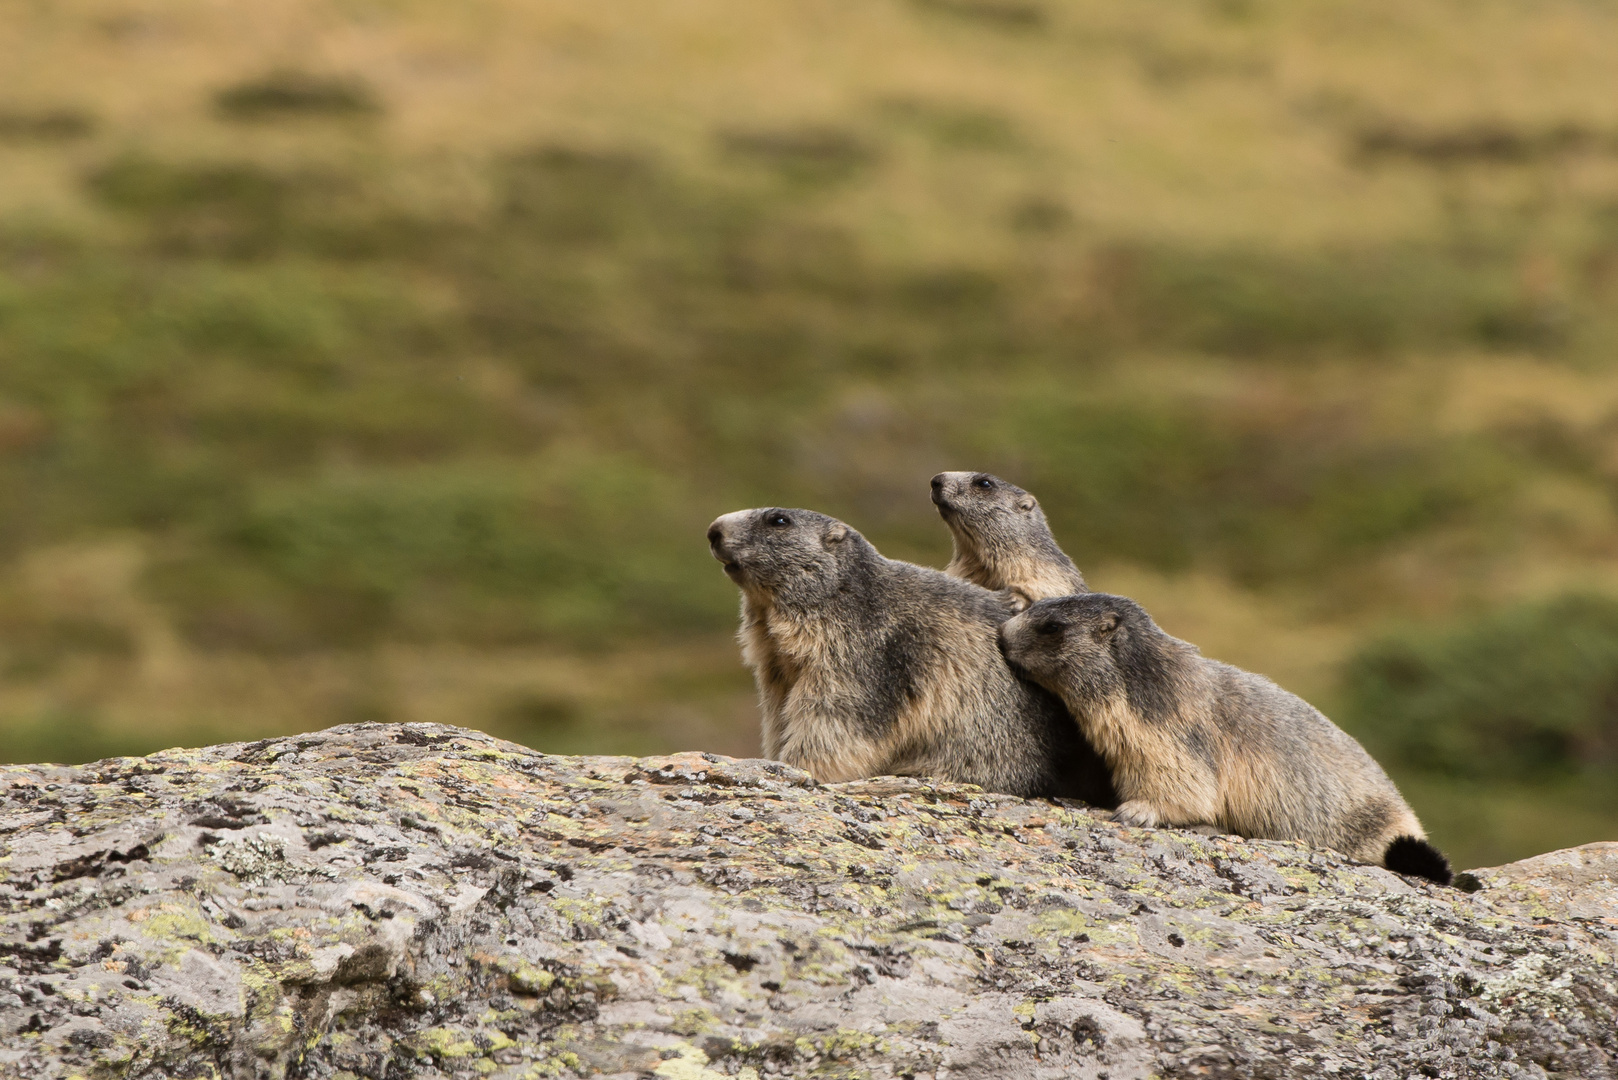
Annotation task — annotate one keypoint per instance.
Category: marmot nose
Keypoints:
(715, 535)
(938, 488)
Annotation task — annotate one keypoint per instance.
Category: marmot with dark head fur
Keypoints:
(869, 666)
(1002, 540)
(1192, 741)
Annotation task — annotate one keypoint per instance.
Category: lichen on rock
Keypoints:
(388, 901)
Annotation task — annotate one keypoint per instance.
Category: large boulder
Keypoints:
(414, 901)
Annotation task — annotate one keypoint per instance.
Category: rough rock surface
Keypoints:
(411, 901)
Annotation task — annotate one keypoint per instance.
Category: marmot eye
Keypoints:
(1049, 626)
(984, 482)
(778, 519)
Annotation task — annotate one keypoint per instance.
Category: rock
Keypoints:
(1580, 883)
(388, 902)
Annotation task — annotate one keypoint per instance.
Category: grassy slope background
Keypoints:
(367, 360)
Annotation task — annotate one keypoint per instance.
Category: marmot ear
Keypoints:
(1027, 502)
(1019, 602)
(836, 533)
(1106, 624)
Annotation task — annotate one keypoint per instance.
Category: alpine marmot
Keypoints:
(1191, 741)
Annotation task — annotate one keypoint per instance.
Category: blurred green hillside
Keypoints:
(383, 359)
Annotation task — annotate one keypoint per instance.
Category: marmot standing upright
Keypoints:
(1002, 540)
(867, 666)
(1192, 741)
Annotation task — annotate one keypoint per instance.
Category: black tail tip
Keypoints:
(1418, 858)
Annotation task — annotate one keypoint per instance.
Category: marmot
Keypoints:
(1002, 540)
(870, 666)
(1192, 741)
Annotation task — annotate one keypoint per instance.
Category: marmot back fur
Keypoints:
(867, 665)
(1002, 540)
(1192, 741)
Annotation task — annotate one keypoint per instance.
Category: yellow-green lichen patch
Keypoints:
(194, 1028)
(1212, 937)
(580, 910)
(268, 1009)
(1068, 923)
(693, 1021)
(842, 1046)
(172, 926)
(117, 1056)
(452, 1042)
(689, 1063)
(521, 975)
(557, 1065)
(1300, 878)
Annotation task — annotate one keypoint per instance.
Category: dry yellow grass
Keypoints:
(1214, 121)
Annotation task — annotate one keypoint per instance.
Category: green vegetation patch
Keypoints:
(292, 93)
(502, 551)
(60, 123)
(1268, 498)
(1247, 302)
(1523, 693)
(1005, 14)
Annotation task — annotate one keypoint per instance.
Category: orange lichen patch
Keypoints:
(142, 914)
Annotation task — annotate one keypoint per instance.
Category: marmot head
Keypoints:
(977, 501)
(1083, 647)
(797, 556)
(1002, 540)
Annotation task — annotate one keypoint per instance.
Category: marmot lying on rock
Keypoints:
(867, 666)
(1002, 540)
(1191, 741)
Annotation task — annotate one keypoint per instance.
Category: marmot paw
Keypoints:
(1141, 815)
